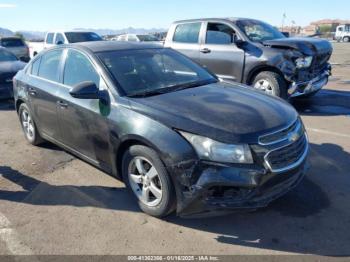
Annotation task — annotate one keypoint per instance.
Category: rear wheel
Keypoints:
(28, 125)
(148, 180)
(346, 39)
(271, 83)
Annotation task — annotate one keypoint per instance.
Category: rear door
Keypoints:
(83, 122)
(186, 39)
(219, 53)
(42, 91)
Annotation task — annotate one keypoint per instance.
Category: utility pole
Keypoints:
(283, 19)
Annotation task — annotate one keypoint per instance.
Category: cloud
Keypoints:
(7, 6)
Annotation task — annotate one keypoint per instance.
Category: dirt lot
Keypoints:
(53, 203)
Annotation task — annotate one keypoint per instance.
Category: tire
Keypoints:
(277, 84)
(28, 125)
(148, 159)
(346, 39)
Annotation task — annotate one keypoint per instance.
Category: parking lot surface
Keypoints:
(54, 203)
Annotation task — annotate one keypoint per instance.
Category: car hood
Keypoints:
(224, 112)
(308, 46)
(11, 66)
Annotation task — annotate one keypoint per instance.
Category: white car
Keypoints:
(53, 38)
(136, 38)
(343, 33)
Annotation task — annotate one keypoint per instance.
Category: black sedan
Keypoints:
(9, 66)
(178, 137)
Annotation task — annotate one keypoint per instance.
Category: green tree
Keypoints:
(325, 29)
(20, 35)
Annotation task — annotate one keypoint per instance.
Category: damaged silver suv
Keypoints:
(255, 53)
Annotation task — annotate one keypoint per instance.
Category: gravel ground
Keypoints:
(54, 203)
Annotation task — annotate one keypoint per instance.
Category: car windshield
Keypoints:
(77, 37)
(6, 56)
(147, 38)
(154, 71)
(12, 42)
(258, 31)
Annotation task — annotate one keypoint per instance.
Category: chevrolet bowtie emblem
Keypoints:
(293, 137)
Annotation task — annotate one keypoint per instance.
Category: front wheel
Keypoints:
(346, 39)
(148, 180)
(271, 83)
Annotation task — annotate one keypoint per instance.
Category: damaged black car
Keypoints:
(179, 138)
(254, 53)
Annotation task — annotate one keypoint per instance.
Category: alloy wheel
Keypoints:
(264, 85)
(28, 125)
(145, 181)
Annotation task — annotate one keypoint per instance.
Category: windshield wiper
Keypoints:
(173, 88)
(149, 93)
(192, 84)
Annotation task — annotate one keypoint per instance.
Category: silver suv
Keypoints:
(16, 46)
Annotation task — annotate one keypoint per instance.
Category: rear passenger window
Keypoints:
(187, 33)
(49, 38)
(35, 67)
(219, 34)
(78, 68)
(49, 65)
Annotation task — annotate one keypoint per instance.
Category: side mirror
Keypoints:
(237, 41)
(24, 59)
(59, 43)
(85, 90)
(286, 34)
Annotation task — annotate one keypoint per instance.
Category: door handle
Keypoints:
(32, 91)
(205, 50)
(62, 104)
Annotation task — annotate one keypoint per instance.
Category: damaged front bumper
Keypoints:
(298, 89)
(224, 189)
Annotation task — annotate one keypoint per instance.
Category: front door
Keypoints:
(219, 53)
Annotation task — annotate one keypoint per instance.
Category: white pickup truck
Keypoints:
(343, 33)
(53, 38)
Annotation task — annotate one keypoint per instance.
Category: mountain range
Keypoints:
(30, 35)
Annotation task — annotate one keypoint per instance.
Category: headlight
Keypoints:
(303, 62)
(209, 149)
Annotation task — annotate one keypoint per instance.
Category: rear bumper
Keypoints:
(220, 190)
(309, 87)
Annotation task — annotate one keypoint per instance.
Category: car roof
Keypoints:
(10, 38)
(103, 46)
(69, 31)
(232, 19)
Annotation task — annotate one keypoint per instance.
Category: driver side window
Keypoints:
(78, 68)
(219, 34)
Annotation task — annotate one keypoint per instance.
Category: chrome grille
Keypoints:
(280, 135)
(320, 61)
(288, 156)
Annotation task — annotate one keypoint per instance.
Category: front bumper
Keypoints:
(6, 91)
(309, 87)
(223, 189)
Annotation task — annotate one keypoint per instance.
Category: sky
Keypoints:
(43, 15)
